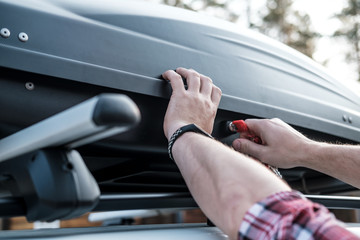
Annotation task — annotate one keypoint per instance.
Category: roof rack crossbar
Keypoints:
(39, 164)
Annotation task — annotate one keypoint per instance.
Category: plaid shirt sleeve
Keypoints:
(289, 215)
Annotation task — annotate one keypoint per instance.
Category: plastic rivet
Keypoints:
(29, 86)
(5, 33)
(23, 37)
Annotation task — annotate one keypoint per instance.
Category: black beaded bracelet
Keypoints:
(181, 131)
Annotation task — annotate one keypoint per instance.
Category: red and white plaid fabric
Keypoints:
(289, 215)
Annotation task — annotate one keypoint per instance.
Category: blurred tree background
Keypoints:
(350, 18)
(280, 20)
(288, 26)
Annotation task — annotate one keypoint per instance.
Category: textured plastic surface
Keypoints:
(126, 45)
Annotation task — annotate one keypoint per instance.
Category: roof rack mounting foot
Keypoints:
(54, 183)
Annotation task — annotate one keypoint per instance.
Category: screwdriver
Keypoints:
(241, 127)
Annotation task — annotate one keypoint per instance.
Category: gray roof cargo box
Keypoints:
(55, 54)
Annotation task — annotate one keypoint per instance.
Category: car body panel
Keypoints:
(148, 232)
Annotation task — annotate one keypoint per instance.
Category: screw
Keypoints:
(29, 86)
(350, 119)
(23, 37)
(5, 33)
(344, 118)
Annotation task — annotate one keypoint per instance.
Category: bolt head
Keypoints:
(5, 33)
(23, 37)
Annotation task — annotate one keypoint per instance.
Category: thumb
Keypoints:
(248, 147)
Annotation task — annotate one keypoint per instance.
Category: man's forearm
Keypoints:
(223, 182)
(339, 161)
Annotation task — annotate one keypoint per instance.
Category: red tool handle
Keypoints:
(241, 127)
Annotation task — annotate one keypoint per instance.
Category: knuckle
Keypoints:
(275, 120)
(206, 78)
(217, 90)
(244, 147)
(178, 77)
(193, 73)
(268, 122)
(262, 155)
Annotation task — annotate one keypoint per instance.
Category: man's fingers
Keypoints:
(196, 82)
(216, 95)
(175, 80)
(248, 147)
(192, 78)
(205, 85)
(256, 125)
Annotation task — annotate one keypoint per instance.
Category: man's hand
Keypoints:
(198, 104)
(282, 146)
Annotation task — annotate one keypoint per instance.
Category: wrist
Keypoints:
(182, 130)
(311, 152)
(172, 129)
